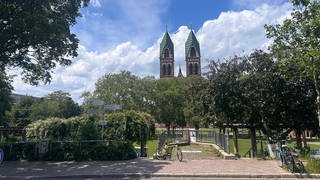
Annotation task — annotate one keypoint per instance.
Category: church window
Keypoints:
(193, 52)
(190, 68)
(166, 53)
(163, 69)
(169, 69)
(196, 68)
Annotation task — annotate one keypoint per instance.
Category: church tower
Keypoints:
(192, 53)
(166, 57)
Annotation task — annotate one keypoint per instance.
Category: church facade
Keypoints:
(192, 56)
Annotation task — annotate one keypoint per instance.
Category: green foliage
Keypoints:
(313, 166)
(76, 128)
(296, 43)
(170, 100)
(56, 104)
(129, 126)
(126, 89)
(36, 36)
(20, 112)
(251, 90)
(5, 99)
(173, 101)
(70, 150)
(194, 110)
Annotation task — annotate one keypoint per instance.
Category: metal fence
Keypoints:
(176, 136)
(66, 150)
(182, 136)
(221, 140)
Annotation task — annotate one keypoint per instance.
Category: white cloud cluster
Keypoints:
(231, 33)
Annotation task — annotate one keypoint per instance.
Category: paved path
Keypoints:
(145, 168)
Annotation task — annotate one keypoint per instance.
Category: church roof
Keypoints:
(166, 42)
(180, 72)
(191, 41)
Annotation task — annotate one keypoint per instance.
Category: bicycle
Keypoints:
(1, 156)
(166, 152)
(289, 159)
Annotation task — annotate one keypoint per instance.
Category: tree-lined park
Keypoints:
(273, 92)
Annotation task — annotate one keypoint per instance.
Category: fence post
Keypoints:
(227, 145)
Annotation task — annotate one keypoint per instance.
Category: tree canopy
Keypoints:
(36, 36)
(296, 43)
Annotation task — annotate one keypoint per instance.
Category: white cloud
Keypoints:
(121, 21)
(95, 3)
(231, 33)
(237, 32)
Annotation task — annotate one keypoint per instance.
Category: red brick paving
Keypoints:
(144, 166)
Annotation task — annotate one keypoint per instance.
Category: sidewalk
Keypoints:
(246, 168)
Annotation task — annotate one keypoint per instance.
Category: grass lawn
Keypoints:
(152, 146)
(245, 145)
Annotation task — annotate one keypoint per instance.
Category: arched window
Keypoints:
(195, 68)
(169, 69)
(164, 69)
(190, 68)
(166, 53)
(193, 52)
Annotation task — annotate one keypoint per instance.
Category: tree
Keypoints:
(126, 89)
(170, 102)
(117, 89)
(5, 98)
(21, 111)
(193, 106)
(36, 36)
(57, 104)
(132, 126)
(296, 41)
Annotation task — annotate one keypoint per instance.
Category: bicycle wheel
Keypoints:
(299, 165)
(179, 154)
(1, 156)
(291, 164)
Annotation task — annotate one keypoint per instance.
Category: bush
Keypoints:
(67, 151)
(76, 128)
(313, 166)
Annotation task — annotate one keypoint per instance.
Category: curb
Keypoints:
(149, 175)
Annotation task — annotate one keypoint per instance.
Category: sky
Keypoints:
(118, 35)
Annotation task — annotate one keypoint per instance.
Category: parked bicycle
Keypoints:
(289, 158)
(166, 151)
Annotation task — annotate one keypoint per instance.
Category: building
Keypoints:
(192, 56)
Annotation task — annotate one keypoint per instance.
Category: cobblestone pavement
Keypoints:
(145, 168)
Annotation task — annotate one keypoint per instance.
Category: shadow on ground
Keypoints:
(141, 167)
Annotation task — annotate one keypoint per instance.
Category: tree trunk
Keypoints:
(304, 140)
(298, 138)
(317, 87)
(235, 140)
(253, 141)
(142, 151)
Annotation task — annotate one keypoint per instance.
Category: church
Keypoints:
(192, 56)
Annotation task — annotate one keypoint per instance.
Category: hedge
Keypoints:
(70, 150)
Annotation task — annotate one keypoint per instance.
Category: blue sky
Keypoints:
(120, 35)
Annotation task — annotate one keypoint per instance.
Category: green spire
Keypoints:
(192, 42)
(166, 43)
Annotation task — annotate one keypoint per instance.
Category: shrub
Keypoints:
(76, 128)
(67, 151)
(313, 166)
